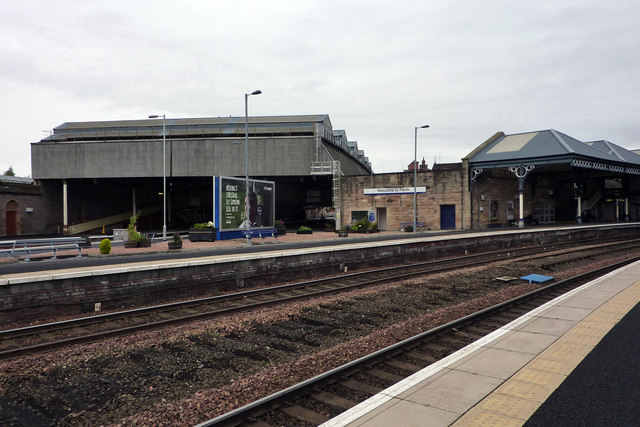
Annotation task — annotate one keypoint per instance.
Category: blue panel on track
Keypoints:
(537, 278)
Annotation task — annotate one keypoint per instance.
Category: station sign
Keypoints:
(393, 190)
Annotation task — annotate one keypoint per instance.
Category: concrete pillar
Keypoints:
(617, 210)
(65, 207)
(133, 194)
(579, 216)
(521, 173)
(626, 209)
(521, 206)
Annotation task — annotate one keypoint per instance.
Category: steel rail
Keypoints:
(366, 278)
(273, 401)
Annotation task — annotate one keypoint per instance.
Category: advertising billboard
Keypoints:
(238, 212)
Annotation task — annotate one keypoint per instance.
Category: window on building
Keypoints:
(356, 215)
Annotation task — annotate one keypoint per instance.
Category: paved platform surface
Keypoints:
(158, 255)
(574, 361)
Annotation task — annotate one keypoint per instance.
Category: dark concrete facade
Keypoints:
(110, 168)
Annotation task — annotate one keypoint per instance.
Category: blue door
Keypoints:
(447, 217)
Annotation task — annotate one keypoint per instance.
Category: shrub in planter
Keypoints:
(281, 229)
(374, 227)
(132, 233)
(105, 246)
(203, 232)
(304, 230)
(143, 241)
(361, 226)
(204, 226)
(176, 242)
(408, 228)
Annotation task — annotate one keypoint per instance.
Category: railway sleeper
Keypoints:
(304, 414)
(452, 341)
(333, 400)
(360, 386)
(420, 355)
(397, 364)
(384, 375)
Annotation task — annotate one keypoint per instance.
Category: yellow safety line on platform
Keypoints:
(517, 399)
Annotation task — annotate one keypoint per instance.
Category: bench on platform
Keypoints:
(13, 248)
(261, 233)
(404, 225)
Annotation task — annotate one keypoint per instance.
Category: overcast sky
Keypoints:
(377, 68)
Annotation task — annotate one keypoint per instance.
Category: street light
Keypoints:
(415, 174)
(164, 173)
(246, 157)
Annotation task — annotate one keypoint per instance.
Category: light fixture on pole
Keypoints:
(246, 157)
(164, 173)
(415, 175)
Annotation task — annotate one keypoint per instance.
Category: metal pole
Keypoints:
(246, 157)
(164, 173)
(164, 178)
(415, 175)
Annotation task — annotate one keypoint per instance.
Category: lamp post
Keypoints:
(415, 174)
(246, 155)
(164, 173)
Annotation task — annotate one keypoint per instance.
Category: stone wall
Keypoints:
(32, 206)
(445, 185)
(34, 298)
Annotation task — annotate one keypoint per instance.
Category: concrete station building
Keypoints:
(98, 173)
(92, 175)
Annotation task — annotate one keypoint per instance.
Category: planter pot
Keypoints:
(304, 232)
(144, 243)
(202, 235)
(175, 245)
(281, 231)
(343, 234)
(130, 245)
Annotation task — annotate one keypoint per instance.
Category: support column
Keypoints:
(578, 186)
(579, 216)
(617, 210)
(626, 209)
(133, 193)
(474, 182)
(521, 204)
(521, 173)
(65, 208)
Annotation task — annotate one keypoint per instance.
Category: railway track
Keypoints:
(46, 337)
(317, 400)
